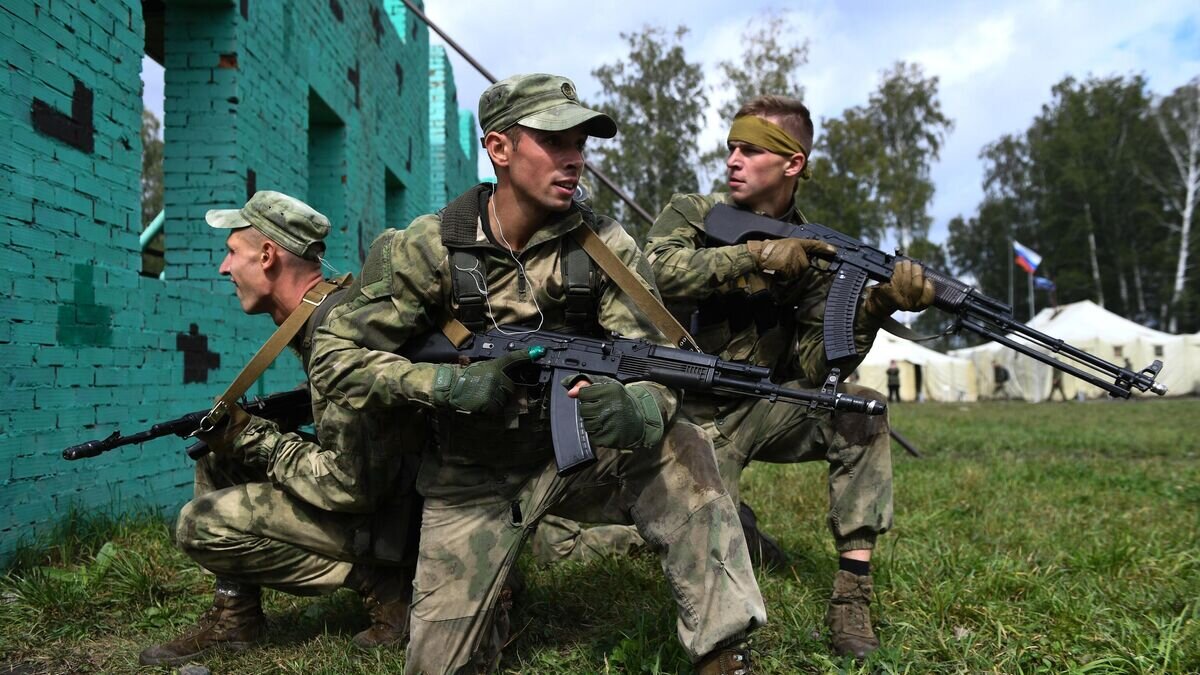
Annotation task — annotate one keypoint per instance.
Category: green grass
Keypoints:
(1052, 538)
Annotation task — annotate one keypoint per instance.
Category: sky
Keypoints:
(995, 61)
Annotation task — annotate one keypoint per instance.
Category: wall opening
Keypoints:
(153, 239)
(326, 161)
(395, 202)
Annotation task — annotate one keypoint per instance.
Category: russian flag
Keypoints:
(1027, 258)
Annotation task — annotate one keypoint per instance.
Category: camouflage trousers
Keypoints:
(857, 448)
(558, 539)
(673, 493)
(242, 527)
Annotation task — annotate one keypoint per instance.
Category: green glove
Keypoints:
(617, 416)
(481, 387)
(907, 290)
(789, 258)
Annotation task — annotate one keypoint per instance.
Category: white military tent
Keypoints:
(943, 378)
(1092, 328)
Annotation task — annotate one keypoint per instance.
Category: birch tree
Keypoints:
(1178, 119)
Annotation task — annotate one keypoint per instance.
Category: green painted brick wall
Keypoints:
(452, 157)
(333, 109)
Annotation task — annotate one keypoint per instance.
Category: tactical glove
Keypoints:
(481, 387)
(222, 439)
(907, 290)
(786, 257)
(618, 416)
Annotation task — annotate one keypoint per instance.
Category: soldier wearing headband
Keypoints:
(762, 302)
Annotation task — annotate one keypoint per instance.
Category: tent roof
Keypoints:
(888, 347)
(1085, 320)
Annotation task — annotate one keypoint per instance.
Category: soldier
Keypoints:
(494, 257)
(276, 509)
(761, 302)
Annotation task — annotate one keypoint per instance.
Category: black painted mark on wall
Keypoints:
(251, 183)
(408, 162)
(244, 5)
(197, 360)
(399, 79)
(352, 75)
(76, 130)
(377, 23)
(336, 8)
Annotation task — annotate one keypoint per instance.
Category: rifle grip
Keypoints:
(572, 449)
(840, 307)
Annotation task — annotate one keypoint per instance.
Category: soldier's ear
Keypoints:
(498, 148)
(268, 255)
(795, 164)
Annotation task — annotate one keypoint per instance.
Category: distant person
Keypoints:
(893, 375)
(1056, 384)
(1000, 377)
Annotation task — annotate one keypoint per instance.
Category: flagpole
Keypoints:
(1032, 310)
(1012, 262)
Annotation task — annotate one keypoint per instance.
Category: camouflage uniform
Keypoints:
(289, 513)
(491, 478)
(739, 327)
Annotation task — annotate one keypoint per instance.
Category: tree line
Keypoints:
(1103, 183)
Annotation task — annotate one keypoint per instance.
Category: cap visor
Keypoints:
(226, 219)
(569, 116)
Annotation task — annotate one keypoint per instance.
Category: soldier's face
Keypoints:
(756, 176)
(243, 264)
(544, 166)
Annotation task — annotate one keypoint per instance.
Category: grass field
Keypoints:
(1051, 538)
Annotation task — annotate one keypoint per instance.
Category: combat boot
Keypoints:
(849, 615)
(765, 552)
(386, 593)
(235, 621)
(732, 660)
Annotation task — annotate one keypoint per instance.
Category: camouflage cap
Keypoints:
(285, 220)
(539, 101)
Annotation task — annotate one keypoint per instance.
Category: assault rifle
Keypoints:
(556, 356)
(855, 262)
(290, 409)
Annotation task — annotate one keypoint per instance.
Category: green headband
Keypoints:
(769, 136)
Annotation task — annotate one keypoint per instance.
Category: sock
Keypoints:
(859, 568)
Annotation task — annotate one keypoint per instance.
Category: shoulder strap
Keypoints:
(581, 283)
(459, 221)
(271, 349)
(627, 282)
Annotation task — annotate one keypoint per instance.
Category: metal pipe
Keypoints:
(151, 230)
(604, 180)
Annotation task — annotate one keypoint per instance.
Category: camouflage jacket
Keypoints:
(406, 291)
(353, 467)
(687, 271)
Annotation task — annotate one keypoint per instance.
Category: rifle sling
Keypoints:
(627, 282)
(271, 349)
(904, 332)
